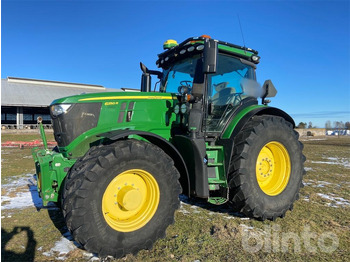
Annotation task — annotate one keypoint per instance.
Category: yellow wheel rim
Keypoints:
(273, 168)
(130, 200)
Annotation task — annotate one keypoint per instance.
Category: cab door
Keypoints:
(226, 89)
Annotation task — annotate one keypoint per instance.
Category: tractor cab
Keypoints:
(217, 75)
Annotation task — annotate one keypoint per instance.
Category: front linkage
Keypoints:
(51, 164)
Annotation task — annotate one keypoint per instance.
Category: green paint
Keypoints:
(217, 200)
(234, 50)
(43, 136)
(116, 97)
(228, 131)
(51, 169)
(216, 166)
(151, 112)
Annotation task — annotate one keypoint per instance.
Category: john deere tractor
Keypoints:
(204, 130)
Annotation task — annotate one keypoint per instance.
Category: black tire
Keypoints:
(90, 178)
(246, 194)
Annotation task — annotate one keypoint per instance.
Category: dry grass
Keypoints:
(203, 232)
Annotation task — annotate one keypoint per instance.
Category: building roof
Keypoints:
(40, 93)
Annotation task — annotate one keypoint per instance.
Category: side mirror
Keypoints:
(210, 56)
(268, 90)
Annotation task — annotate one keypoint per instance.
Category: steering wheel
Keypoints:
(187, 83)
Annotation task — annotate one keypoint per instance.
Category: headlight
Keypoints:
(176, 109)
(57, 110)
(183, 108)
(190, 49)
(255, 58)
(200, 47)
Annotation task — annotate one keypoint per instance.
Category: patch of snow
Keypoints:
(323, 183)
(318, 183)
(62, 247)
(22, 199)
(90, 257)
(252, 230)
(245, 227)
(308, 169)
(334, 161)
(229, 217)
(338, 201)
(19, 181)
(184, 211)
(332, 158)
(307, 183)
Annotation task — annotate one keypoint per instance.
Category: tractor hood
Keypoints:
(111, 97)
(78, 121)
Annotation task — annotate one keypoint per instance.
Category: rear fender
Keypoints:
(261, 111)
(227, 142)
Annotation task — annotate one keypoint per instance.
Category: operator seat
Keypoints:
(224, 95)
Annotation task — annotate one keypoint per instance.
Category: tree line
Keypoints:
(328, 125)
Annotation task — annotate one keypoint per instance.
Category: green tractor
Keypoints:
(123, 158)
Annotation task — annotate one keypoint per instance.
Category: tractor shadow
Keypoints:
(224, 209)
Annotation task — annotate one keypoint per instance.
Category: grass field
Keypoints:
(318, 228)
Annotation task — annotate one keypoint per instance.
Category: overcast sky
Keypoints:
(304, 45)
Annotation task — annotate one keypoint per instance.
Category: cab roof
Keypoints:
(195, 45)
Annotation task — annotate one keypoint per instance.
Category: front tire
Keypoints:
(267, 168)
(121, 198)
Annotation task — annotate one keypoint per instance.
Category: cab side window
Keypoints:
(225, 91)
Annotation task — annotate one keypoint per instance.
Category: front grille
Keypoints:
(79, 119)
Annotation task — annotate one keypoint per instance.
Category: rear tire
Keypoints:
(267, 168)
(121, 198)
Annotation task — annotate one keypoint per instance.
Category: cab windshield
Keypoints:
(181, 73)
